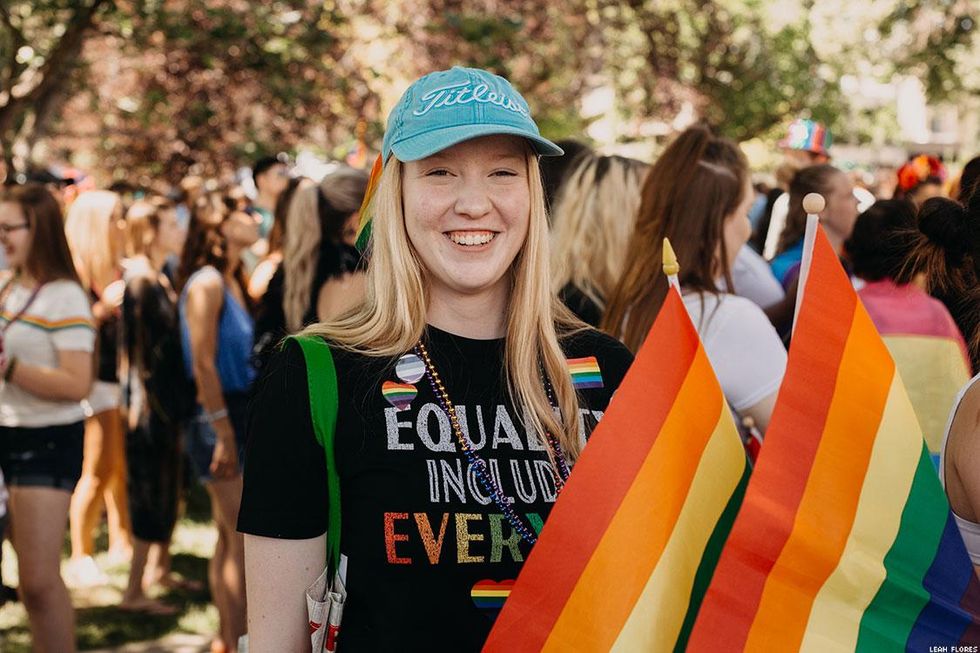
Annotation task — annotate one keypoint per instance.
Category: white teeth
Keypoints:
(471, 239)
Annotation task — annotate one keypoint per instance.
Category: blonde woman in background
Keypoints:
(95, 228)
(324, 274)
(321, 273)
(593, 217)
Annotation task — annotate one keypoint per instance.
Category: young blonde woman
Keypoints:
(698, 194)
(450, 451)
(46, 370)
(94, 227)
(324, 272)
(593, 217)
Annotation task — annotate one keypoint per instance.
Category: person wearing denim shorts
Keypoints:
(216, 332)
(48, 337)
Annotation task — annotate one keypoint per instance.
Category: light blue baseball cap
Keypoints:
(451, 106)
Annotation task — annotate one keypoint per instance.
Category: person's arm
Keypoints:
(761, 412)
(277, 573)
(284, 505)
(204, 299)
(70, 381)
(258, 283)
(340, 294)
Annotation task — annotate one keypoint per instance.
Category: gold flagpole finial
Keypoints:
(671, 267)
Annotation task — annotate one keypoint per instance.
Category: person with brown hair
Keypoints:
(837, 218)
(950, 251)
(698, 195)
(216, 332)
(922, 337)
(947, 250)
(94, 228)
(48, 337)
(156, 396)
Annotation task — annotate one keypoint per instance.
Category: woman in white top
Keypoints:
(46, 367)
(959, 466)
(698, 194)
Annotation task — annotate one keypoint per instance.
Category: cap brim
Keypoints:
(426, 144)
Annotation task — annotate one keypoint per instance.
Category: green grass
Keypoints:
(99, 623)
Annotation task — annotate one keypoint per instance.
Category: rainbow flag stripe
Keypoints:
(845, 540)
(633, 539)
(488, 594)
(50, 325)
(366, 212)
(585, 372)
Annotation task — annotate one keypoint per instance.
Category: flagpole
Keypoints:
(813, 204)
(671, 266)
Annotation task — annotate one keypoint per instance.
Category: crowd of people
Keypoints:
(143, 344)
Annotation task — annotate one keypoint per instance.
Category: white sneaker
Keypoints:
(83, 572)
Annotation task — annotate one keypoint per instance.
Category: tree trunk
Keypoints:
(55, 71)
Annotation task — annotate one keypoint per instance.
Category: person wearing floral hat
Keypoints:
(921, 178)
(465, 390)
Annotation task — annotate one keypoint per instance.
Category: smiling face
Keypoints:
(15, 234)
(466, 211)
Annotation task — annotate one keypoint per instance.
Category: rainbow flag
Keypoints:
(366, 213)
(629, 547)
(585, 372)
(845, 540)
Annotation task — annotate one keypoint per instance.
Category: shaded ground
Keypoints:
(103, 627)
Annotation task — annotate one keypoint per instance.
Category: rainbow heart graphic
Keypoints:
(489, 595)
(399, 395)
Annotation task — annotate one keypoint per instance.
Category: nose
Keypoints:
(473, 200)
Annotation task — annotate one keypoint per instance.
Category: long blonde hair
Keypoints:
(95, 253)
(593, 218)
(314, 210)
(392, 317)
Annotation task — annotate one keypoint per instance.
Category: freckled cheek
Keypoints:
(515, 212)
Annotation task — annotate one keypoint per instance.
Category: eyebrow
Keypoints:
(438, 156)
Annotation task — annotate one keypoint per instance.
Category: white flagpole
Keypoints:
(813, 204)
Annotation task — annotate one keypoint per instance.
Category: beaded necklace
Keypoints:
(479, 465)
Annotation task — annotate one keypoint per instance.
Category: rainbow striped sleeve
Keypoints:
(845, 540)
(38, 322)
(634, 537)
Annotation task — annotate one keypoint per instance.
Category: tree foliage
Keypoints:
(158, 88)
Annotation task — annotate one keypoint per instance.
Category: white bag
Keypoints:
(325, 608)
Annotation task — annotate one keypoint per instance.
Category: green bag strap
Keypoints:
(322, 379)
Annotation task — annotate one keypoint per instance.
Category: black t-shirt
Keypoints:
(579, 303)
(419, 530)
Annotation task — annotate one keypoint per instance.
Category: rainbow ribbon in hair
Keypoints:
(366, 212)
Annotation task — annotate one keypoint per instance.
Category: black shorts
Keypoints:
(45, 456)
